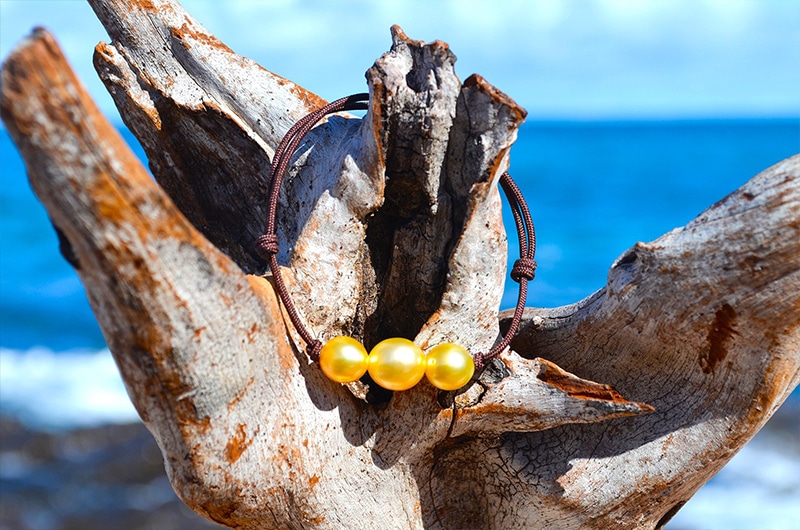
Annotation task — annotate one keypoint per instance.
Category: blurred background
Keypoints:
(640, 115)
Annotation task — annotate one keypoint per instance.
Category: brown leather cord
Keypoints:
(524, 268)
(267, 245)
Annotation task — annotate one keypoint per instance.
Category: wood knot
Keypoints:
(720, 334)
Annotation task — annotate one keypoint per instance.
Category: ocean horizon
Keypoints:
(595, 188)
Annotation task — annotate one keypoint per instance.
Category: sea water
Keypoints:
(594, 189)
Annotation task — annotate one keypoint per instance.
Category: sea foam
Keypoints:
(758, 489)
(63, 390)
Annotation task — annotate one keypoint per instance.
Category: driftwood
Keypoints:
(385, 227)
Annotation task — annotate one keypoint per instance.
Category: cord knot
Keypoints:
(313, 349)
(267, 245)
(523, 268)
(480, 360)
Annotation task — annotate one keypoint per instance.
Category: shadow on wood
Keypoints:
(385, 226)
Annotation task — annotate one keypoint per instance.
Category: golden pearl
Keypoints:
(343, 359)
(449, 366)
(396, 364)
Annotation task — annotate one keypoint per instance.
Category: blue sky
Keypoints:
(568, 59)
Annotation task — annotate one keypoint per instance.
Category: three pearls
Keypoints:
(397, 364)
(394, 364)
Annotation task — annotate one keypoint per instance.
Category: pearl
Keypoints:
(396, 364)
(343, 359)
(449, 366)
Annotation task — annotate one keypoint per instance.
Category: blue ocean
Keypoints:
(594, 189)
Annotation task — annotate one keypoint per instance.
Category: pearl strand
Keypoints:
(396, 363)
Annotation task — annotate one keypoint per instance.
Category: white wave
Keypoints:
(63, 390)
(759, 489)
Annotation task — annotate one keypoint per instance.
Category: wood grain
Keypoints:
(609, 413)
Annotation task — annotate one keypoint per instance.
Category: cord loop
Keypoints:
(267, 245)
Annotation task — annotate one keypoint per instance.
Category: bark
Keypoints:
(390, 226)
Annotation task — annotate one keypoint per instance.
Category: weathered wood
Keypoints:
(384, 229)
(715, 357)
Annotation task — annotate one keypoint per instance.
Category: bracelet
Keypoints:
(394, 363)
